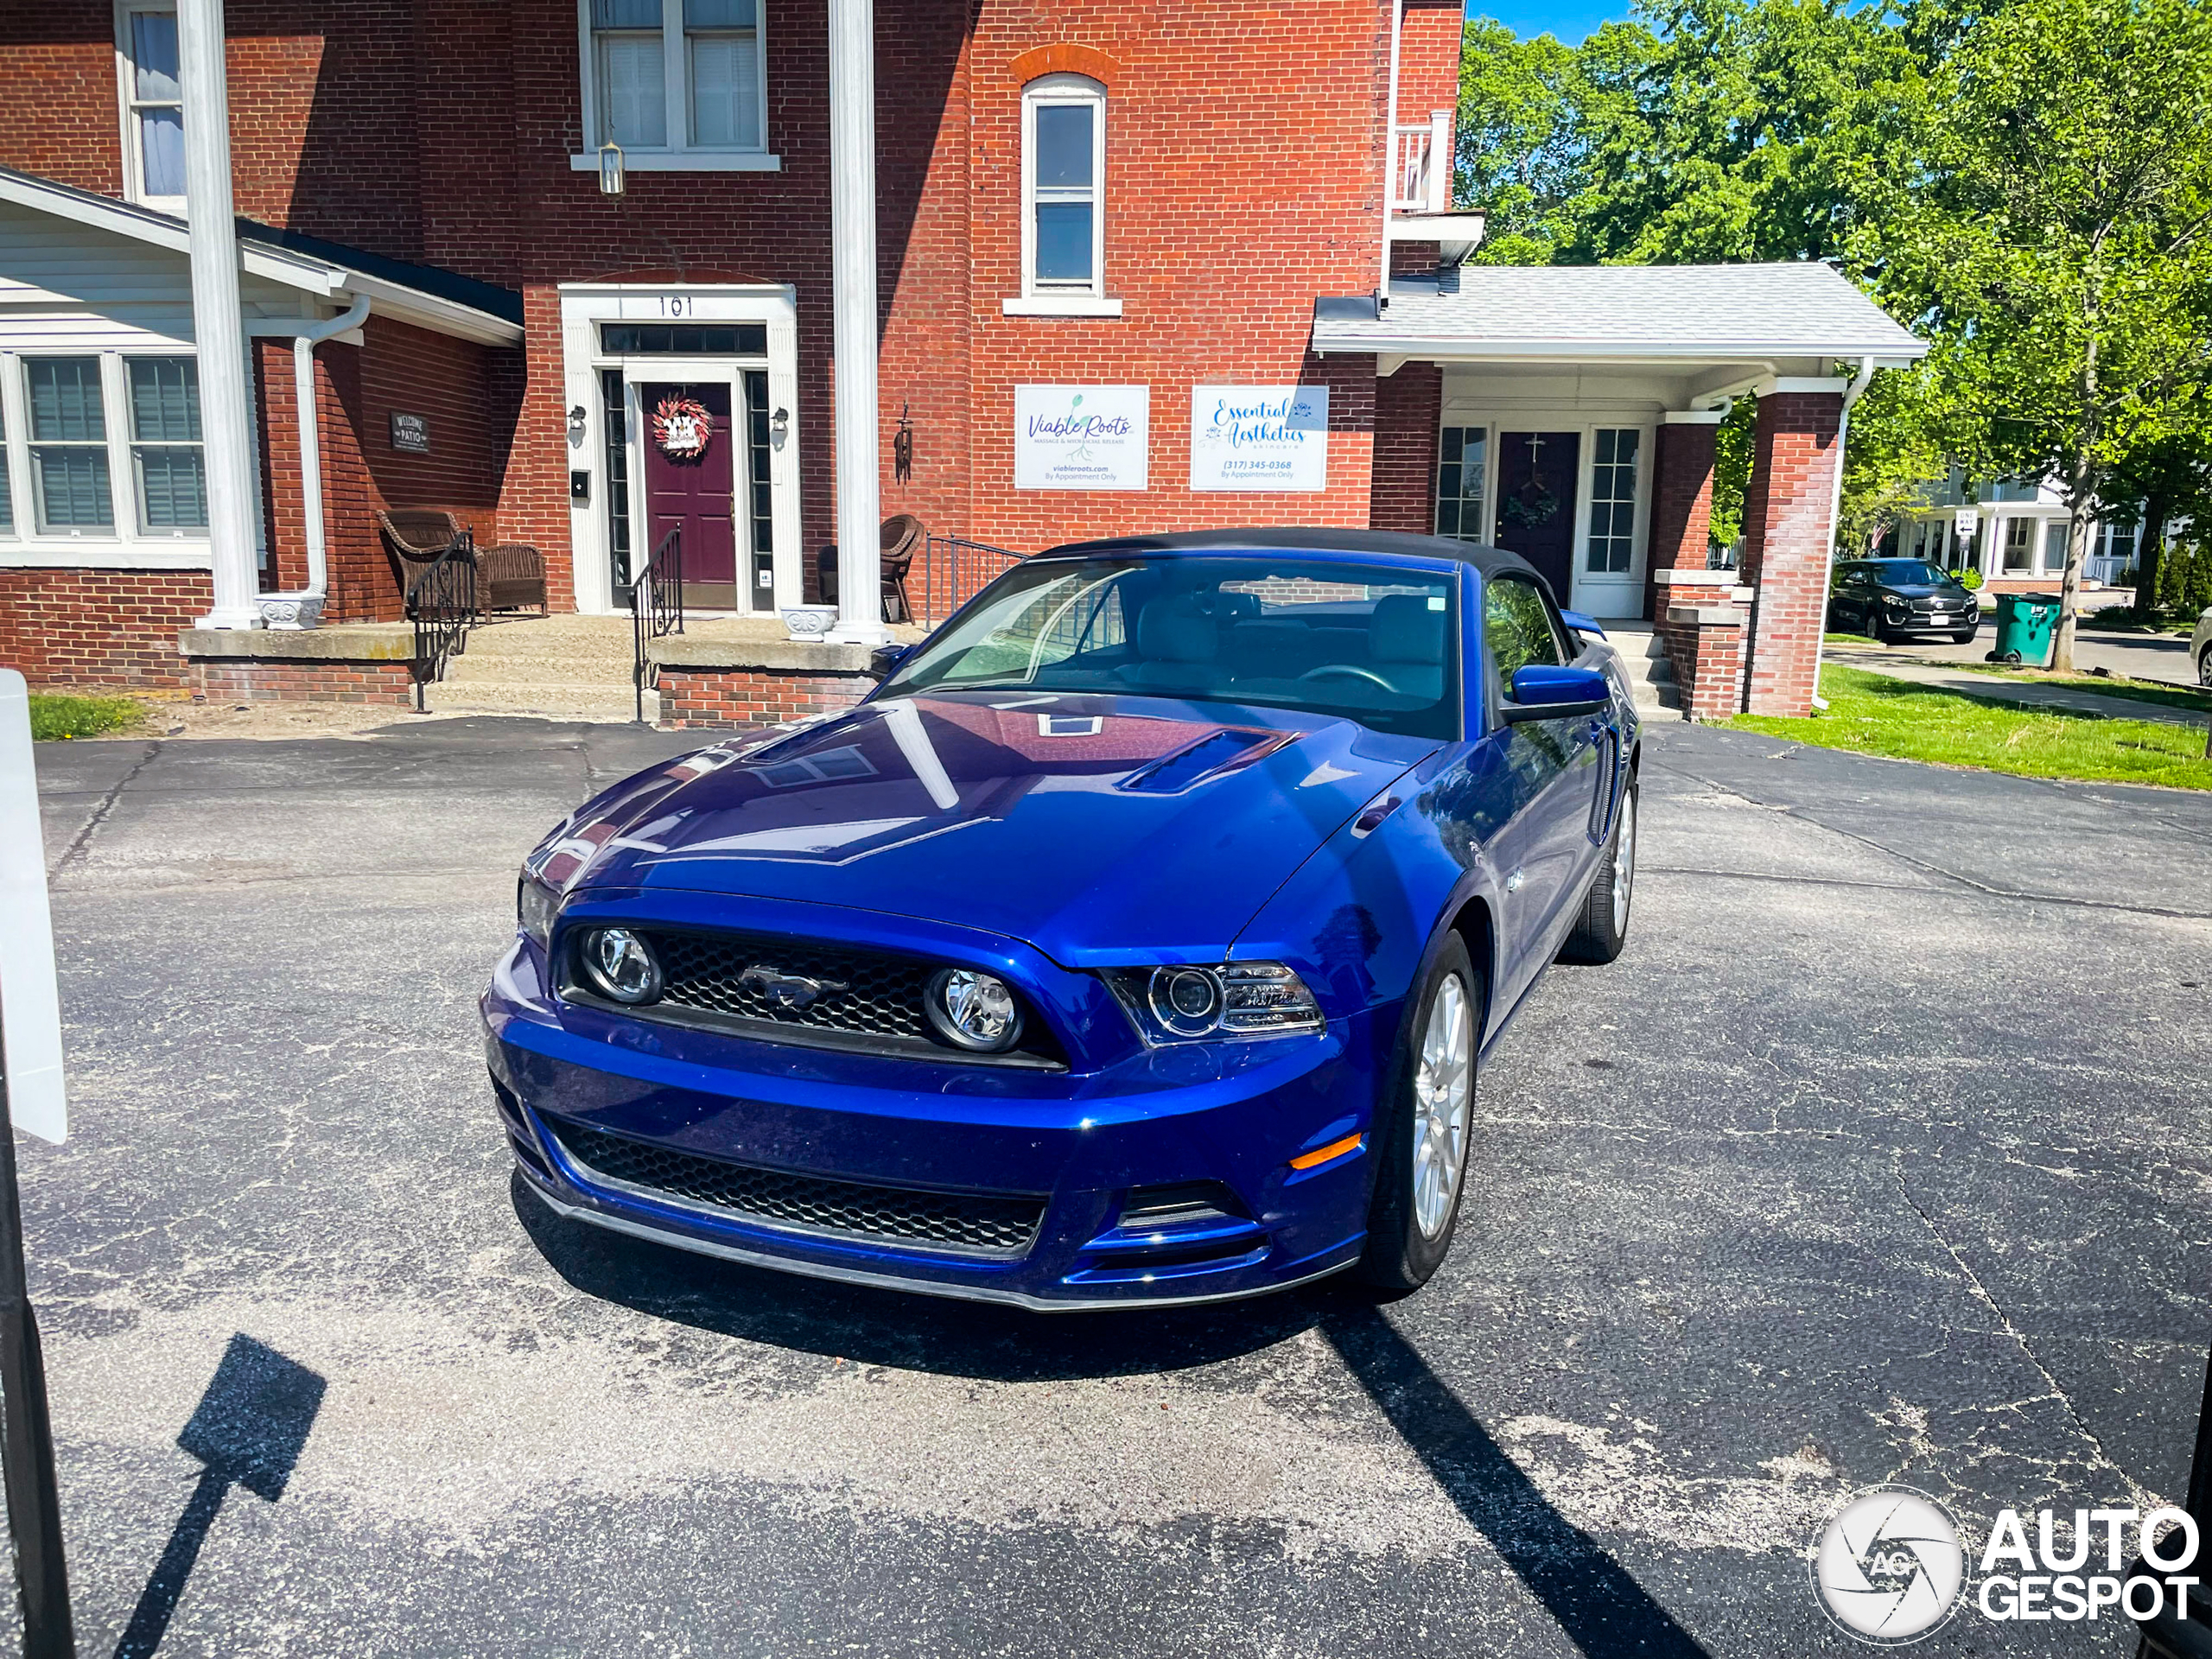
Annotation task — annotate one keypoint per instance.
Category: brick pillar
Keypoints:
(1408, 408)
(1787, 533)
(1682, 499)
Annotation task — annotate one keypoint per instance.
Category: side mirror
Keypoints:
(1545, 692)
(1582, 623)
(884, 658)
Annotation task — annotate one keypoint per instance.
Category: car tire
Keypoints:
(2204, 666)
(1876, 631)
(1602, 929)
(1421, 1173)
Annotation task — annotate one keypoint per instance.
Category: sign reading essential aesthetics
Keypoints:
(1259, 438)
(1082, 437)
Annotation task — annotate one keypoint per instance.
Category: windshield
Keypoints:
(1330, 637)
(1906, 570)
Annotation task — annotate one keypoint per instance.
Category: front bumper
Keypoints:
(1222, 1120)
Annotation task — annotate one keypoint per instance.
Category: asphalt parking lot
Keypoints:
(1884, 1152)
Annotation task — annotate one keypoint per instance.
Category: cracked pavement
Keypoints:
(1881, 1154)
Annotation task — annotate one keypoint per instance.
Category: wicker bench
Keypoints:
(510, 577)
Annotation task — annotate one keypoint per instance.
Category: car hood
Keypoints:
(1924, 589)
(1100, 829)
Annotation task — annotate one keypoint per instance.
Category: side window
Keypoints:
(153, 105)
(1517, 628)
(684, 77)
(1063, 186)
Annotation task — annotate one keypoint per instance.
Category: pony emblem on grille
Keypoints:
(793, 992)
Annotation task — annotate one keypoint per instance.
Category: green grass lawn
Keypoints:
(54, 717)
(1873, 713)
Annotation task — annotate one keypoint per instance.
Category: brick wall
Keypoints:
(1681, 502)
(1428, 59)
(98, 627)
(264, 679)
(1409, 410)
(751, 697)
(1787, 534)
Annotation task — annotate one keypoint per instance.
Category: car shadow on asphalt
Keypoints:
(1599, 1605)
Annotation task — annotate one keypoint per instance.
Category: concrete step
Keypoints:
(471, 669)
(560, 700)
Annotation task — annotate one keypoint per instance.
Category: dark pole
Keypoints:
(34, 1501)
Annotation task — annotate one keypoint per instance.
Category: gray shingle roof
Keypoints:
(1798, 310)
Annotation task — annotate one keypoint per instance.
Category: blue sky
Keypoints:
(1568, 19)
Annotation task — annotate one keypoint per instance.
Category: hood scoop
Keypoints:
(1228, 750)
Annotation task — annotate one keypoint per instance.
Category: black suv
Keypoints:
(1891, 599)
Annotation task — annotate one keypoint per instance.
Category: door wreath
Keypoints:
(682, 427)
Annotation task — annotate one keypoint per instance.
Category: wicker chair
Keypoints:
(510, 577)
(903, 538)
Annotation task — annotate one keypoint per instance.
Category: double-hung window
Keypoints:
(675, 82)
(153, 104)
(1063, 196)
(171, 475)
(68, 445)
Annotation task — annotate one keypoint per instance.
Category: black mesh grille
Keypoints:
(948, 1221)
(851, 990)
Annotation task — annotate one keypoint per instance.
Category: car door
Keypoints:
(1850, 609)
(1543, 850)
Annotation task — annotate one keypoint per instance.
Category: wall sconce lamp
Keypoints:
(576, 419)
(610, 170)
(779, 423)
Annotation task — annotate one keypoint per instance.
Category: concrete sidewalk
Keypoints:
(1997, 689)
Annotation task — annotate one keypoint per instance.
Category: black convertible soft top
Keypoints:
(1392, 542)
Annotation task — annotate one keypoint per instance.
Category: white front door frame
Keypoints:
(1616, 594)
(584, 307)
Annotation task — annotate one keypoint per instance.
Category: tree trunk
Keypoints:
(2150, 555)
(2070, 591)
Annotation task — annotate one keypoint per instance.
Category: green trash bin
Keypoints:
(2025, 625)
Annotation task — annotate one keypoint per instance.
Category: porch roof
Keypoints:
(441, 301)
(1681, 315)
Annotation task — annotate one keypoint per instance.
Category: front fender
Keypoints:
(1360, 919)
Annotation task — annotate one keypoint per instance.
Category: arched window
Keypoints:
(1063, 188)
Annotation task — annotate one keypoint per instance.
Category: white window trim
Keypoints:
(1063, 300)
(126, 82)
(680, 156)
(123, 544)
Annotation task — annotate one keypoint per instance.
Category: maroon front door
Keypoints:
(1537, 473)
(695, 490)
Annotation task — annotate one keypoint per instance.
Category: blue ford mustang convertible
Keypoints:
(1138, 940)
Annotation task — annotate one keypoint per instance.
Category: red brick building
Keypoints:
(1177, 213)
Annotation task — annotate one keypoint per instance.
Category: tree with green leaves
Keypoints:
(2059, 247)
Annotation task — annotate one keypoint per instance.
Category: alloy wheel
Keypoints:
(1443, 1086)
(1624, 862)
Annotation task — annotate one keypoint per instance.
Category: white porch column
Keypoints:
(216, 329)
(852, 240)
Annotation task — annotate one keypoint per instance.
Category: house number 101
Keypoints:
(675, 305)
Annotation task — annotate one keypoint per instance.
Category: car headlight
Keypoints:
(619, 965)
(973, 1010)
(1193, 1003)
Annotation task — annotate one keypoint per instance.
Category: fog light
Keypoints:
(620, 965)
(973, 1011)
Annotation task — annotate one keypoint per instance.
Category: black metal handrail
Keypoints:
(441, 604)
(655, 609)
(957, 593)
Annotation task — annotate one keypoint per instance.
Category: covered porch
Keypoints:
(1572, 413)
